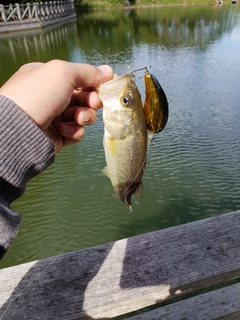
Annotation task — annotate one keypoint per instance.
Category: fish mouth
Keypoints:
(113, 87)
(108, 92)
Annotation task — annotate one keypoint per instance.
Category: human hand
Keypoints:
(58, 96)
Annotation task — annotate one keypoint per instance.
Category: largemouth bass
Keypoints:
(126, 137)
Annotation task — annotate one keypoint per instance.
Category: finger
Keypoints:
(68, 142)
(87, 75)
(30, 66)
(86, 98)
(70, 130)
(83, 116)
(80, 74)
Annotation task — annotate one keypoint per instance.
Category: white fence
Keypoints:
(35, 11)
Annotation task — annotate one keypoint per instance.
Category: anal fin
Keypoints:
(105, 171)
(138, 194)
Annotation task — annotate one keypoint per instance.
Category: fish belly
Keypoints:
(125, 164)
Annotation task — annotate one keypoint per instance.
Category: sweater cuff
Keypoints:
(25, 150)
(9, 225)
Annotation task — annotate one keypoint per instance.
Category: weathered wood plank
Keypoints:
(221, 304)
(120, 277)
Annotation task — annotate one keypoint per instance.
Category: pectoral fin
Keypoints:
(105, 171)
(138, 194)
(149, 137)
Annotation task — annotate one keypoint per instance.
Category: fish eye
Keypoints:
(127, 100)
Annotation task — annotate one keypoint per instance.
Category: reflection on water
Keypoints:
(35, 45)
(193, 169)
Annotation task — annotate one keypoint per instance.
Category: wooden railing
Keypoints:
(116, 278)
(35, 11)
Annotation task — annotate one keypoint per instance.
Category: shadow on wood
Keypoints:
(127, 275)
(51, 288)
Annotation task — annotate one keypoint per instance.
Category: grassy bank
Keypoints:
(94, 4)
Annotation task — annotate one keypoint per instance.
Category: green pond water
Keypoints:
(193, 167)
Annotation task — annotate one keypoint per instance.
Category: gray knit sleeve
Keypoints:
(25, 151)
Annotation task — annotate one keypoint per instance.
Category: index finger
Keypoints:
(82, 74)
(87, 75)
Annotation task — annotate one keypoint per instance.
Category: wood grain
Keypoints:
(129, 274)
(221, 304)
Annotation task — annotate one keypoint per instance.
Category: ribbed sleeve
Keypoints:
(25, 151)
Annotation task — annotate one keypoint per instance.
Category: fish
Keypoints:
(126, 137)
(155, 104)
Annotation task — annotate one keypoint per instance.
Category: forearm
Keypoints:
(25, 151)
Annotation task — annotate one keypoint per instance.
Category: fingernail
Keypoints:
(67, 128)
(86, 116)
(106, 69)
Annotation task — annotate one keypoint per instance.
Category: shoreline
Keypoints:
(106, 5)
(87, 6)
